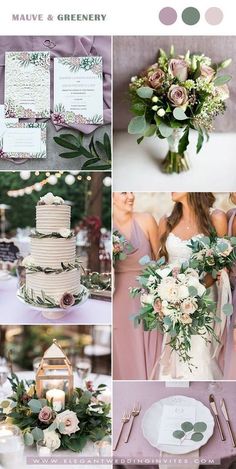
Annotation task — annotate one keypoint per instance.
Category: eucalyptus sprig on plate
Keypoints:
(190, 431)
(98, 153)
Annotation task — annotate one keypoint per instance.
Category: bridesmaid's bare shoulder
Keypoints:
(145, 218)
(219, 221)
(230, 213)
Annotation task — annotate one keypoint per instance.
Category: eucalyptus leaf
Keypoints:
(192, 291)
(228, 309)
(37, 434)
(200, 427)
(165, 130)
(35, 405)
(137, 125)
(219, 81)
(179, 114)
(197, 437)
(144, 92)
(150, 131)
(28, 439)
(178, 434)
(187, 426)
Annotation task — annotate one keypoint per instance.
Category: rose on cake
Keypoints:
(67, 300)
(50, 199)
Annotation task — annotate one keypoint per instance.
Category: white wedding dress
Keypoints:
(204, 366)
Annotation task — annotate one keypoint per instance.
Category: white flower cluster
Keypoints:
(50, 199)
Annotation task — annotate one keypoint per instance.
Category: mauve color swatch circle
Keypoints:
(168, 16)
(214, 16)
(190, 16)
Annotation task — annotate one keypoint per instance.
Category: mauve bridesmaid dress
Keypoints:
(230, 356)
(134, 351)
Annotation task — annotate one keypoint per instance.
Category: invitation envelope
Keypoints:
(27, 84)
(78, 90)
(171, 419)
(24, 141)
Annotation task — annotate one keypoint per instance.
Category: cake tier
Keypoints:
(52, 218)
(51, 252)
(53, 285)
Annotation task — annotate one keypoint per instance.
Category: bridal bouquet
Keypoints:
(174, 95)
(85, 418)
(175, 302)
(211, 254)
(120, 247)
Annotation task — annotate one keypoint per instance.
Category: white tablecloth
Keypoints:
(12, 311)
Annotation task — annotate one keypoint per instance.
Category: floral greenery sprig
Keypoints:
(85, 418)
(212, 254)
(174, 301)
(50, 270)
(67, 234)
(97, 281)
(178, 92)
(120, 246)
(190, 431)
(98, 153)
(45, 301)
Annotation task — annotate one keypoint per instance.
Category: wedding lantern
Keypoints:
(54, 377)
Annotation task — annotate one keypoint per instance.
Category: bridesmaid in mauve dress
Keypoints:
(134, 351)
(230, 359)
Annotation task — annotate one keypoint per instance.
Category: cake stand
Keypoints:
(57, 312)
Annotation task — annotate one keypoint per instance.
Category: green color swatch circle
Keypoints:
(190, 16)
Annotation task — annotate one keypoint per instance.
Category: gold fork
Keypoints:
(124, 419)
(134, 413)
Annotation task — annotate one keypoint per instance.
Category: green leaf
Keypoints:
(71, 154)
(179, 114)
(61, 427)
(165, 130)
(150, 131)
(35, 405)
(219, 81)
(138, 108)
(187, 426)
(137, 125)
(184, 141)
(228, 309)
(197, 437)
(107, 144)
(65, 144)
(37, 434)
(192, 291)
(200, 427)
(144, 92)
(178, 434)
(200, 140)
(76, 140)
(139, 140)
(28, 439)
(75, 444)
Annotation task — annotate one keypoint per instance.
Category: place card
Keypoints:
(24, 141)
(78, 90)
(171, 420)
(27, 84)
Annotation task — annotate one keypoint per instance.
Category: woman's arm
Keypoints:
(153, 235)
(219, 222)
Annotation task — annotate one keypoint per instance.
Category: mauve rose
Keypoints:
(156, 79)
(178, 68)
(207, 72)
(89, 386)
(46, 415)
(177, 95)
(67, 300)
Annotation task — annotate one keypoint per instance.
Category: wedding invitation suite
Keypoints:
(78, 90)
(24, 141)
(171, 420)
(27, 84)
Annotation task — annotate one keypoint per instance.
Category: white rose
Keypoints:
(51, 439)
(188, 306)
(64, 232)
(168, 291)
(183, 292)
(28, 261)
(161, 112)
(181, 277)
(48, 199)
(146, 299)
(163, 273)
(191, 273)
(70, 421)
(58, 200)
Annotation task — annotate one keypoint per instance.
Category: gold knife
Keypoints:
(226, 416)
(215, 412)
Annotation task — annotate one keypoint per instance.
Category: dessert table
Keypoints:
(214, 454)
(12, 311)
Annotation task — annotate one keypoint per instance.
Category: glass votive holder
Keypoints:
(11, 446)
(103, 447)
(42, 449)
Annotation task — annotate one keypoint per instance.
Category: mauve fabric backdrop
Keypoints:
(65, 46)
(132, 54)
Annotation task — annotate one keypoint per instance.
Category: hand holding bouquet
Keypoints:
(174, 95)
(212, 254)
(175, 302)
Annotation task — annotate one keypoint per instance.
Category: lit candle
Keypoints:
(58, 399)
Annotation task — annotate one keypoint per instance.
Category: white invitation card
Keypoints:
(24, 141)
(171, 420)
(78, 90)
(27, 84)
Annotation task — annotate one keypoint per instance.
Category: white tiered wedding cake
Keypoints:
(52, 270)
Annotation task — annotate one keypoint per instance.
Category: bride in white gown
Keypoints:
(191, 217)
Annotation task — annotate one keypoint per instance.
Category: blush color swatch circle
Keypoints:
(168, 16)
(190, 16)
(214, 16)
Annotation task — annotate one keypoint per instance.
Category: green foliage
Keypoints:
(190, 432)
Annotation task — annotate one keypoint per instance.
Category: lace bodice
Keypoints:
(178, 249)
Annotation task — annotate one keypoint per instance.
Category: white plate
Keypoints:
(56, 313)
(152, 420)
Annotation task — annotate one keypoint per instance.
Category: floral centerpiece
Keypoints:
(174, 95)
(120, 246)
(212, 254)
(174, 301)
(85, 417)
